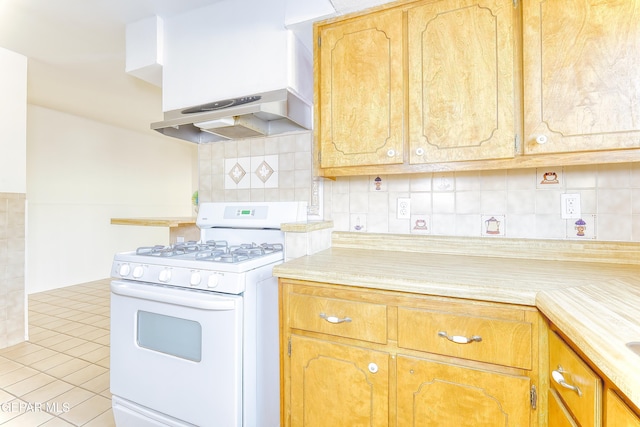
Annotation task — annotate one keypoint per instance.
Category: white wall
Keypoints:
(13, 116)
(80, 174)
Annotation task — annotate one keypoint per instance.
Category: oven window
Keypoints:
(171, 335)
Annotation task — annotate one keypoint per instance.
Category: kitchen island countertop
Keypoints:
(596, 305)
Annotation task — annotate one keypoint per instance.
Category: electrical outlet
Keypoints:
(570, 206)
(404, 208)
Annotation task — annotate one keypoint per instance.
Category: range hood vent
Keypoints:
(264, 114)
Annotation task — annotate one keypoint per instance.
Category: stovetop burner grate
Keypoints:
(212, 250)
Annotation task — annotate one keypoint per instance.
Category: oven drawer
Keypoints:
(344, 318)
(576, 384)
(485, 339)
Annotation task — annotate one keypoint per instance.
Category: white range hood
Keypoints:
(264, 114)
(226, 53)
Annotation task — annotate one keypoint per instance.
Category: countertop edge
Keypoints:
(155, 222)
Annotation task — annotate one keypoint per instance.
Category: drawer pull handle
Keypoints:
(458, 339)
(559, 378)
(334, 319)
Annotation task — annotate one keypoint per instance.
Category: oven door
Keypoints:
(176, 352)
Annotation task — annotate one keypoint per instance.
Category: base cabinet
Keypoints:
(440, 394)
(617, 413)
(338, 385)
(576, 396)
(347, 360)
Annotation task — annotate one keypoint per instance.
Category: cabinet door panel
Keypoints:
(360, 96)
(337, 385)
(617, 412)
(461, 80)
(559, 416)
(437, 394)
(585, 402)
(581, 61)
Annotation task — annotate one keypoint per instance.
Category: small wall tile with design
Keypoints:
(493, 225)
(582, 228)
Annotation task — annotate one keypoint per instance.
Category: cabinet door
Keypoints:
(338, 385)
(438, 394)
(618, 414)
(573, 380)
(461, 80)
(581, 62)
(559, 415)
(359, 96)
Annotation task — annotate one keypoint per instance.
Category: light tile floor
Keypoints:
(60, 377)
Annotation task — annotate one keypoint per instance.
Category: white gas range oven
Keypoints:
(194, 326)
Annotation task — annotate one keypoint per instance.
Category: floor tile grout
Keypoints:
(68, 314)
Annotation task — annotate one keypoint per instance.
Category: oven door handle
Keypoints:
(186, 298)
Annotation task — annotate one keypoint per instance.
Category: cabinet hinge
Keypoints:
(289, 347)
(320, 39)
(515, 3)
(516, 143)
(533, 397)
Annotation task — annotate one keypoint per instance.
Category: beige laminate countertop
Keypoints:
(155, 222)
(596, 305)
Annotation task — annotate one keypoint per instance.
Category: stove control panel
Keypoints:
(185, 277)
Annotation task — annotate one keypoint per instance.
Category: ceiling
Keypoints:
(76, 54)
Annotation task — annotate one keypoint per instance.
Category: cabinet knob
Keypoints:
(420, 151)
(559, 378)
(391, 152)
(373, 368)
(541, 139)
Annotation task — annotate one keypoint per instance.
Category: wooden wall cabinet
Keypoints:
(581, 87)
(359, 69)
(432, 85)
(378, 358)
(461, 90)
(442, 69)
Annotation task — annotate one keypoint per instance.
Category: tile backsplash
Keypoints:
(522, 203)
(258, 169)
(12, 268)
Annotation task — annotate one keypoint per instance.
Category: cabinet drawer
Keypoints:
(582, 389)
(344, 318)
(485, 339)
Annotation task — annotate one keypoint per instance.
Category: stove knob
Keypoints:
(124, 270)
(165, 275)
(213, 280)
(138, 271)
(195, 279)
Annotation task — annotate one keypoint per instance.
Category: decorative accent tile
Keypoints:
(549, 178)
(237, 173)
(236, 176)
(378, 183)
(443, 182)
(264, 171)
(582, 228)
(493, 225)
(358, 222)
(420, 224)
